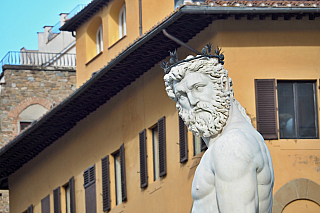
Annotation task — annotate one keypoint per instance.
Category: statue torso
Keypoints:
(203, 187)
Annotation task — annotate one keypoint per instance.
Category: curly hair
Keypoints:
(214, 70)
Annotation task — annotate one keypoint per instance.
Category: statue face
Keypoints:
(199, 104)
(192, 89)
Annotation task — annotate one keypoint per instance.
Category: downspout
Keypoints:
(72, 33)
(140, 18)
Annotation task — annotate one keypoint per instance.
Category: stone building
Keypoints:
(34, 81)
(28, 92)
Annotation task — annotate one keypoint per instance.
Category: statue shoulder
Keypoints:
(236, 144)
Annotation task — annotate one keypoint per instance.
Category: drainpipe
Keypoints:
(140, 18)
(72, 33)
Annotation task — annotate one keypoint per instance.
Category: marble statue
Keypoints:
(235, 174)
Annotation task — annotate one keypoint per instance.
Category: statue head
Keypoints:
(201, 89)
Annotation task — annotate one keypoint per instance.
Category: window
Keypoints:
(24, 125)
(67, 198)
(29, 210)
(120, 178)
(117, 172)
(143, 159)
(56, 200)
(99, 39)
(29, 114)
(155, 149)
(297, 109)
(183, 141)
(158, 139)
(45, 205)
(89, 177)
(122, 22)
(106, 201)
(199, 145)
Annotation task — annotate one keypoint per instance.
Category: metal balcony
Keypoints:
(41, 59)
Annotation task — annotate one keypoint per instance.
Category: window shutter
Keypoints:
(89, 176)
(106, 184)
(123, 173)
(143, 159)
(72, 196)
(45, 205)
(183, 141)
(266, 108)
(203, 145)
(56, 200)
(90, 189)
(30, 209)
(162, 146)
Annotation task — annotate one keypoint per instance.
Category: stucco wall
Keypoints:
(112, 45)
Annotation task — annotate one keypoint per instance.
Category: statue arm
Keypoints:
(235, 175)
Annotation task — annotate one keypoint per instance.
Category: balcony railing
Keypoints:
(55, 29)
(76, 10)
(38, 59)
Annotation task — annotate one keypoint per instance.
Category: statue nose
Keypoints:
(193, 100)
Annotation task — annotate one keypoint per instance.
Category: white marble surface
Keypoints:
(235, 173)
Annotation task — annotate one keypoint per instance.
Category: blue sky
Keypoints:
(22, 19)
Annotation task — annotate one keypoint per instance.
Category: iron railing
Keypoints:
(38, 59)
(55, 29)
(76, 10)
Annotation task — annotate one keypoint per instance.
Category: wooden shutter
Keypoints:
(106, 184)
(183, 141)
(72, 196)
(203, 145)
(45, 205)
(90, 189)
(30, 209)
(89, 176)
(56, 200)
(266, 108)
(162, 146)
(143, 159)
(123, 173)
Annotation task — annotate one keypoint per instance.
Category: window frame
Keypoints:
(296, 108)
(117, 176)
(122, 22)
(99, 39)
(155, 152)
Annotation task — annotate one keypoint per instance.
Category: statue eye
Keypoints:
(198, 87)
(181, 95)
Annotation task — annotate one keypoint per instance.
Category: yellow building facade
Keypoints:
(116, 145)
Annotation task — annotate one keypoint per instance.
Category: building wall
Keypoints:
(59, 42)
(254, 49)
(119, 121)
(24, 87)
(88, 60)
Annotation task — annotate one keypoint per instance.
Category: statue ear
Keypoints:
(225, 83)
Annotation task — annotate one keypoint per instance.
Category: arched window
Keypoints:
(99, 40)
(29, 114)
(122, 22)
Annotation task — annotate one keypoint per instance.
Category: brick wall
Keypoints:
(22, 86)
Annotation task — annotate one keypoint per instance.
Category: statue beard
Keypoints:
(207, 119)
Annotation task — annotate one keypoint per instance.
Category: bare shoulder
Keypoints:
(236, 142)
(233, 153)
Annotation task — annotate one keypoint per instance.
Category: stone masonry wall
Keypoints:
(23, 86)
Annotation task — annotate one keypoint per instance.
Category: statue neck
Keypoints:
(234, 117)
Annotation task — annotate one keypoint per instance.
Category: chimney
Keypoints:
(63, 18)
